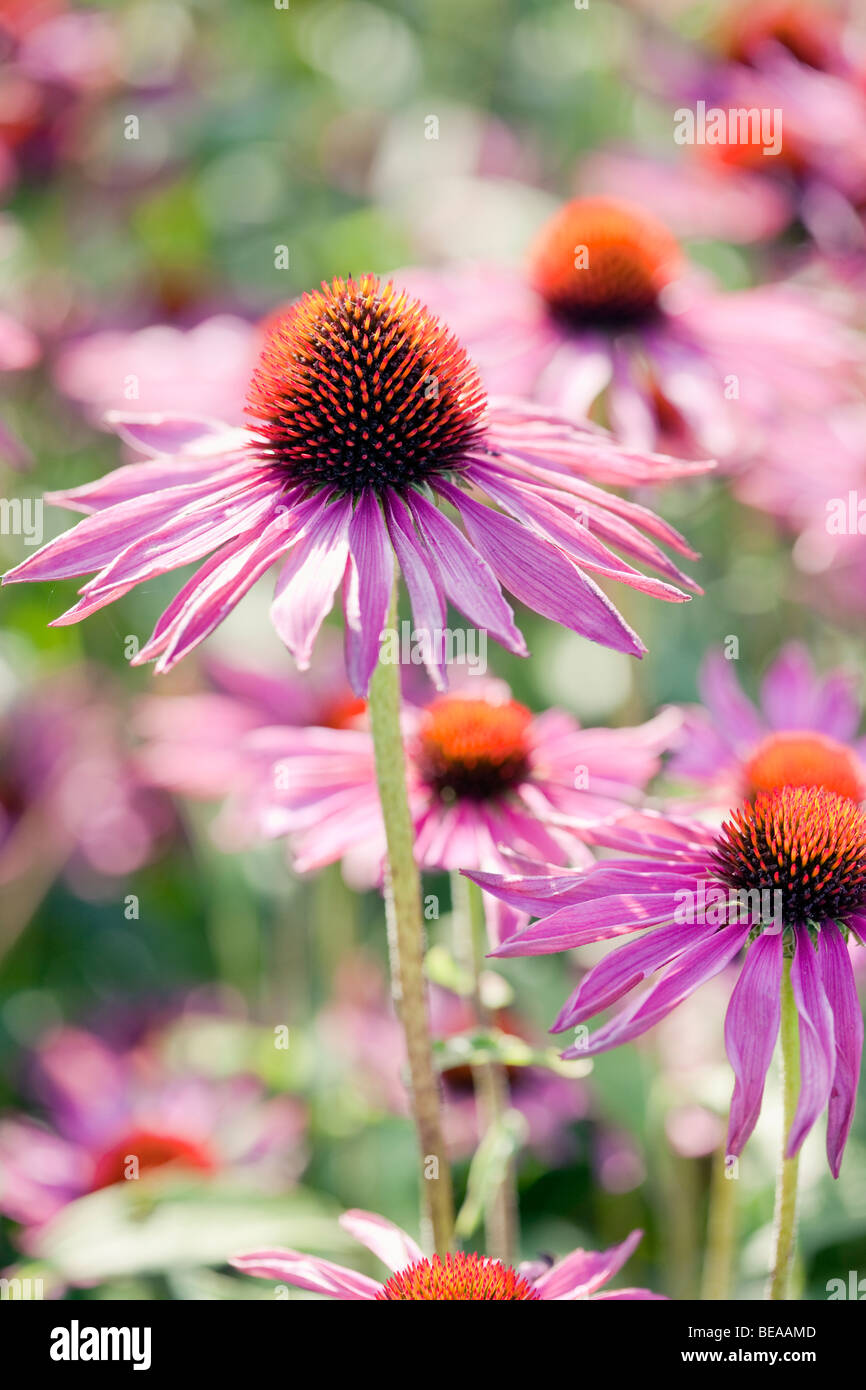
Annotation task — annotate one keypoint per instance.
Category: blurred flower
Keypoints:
(608, 310)
(803, 734)
(694, 197)
(705, 896)
(483, 773)
(204, 370)
(19, 348)
(56, 62)
(116, 1115)
(458, 1277)
(319, 478)
(70, 795)
(799, 57)
(194, 744)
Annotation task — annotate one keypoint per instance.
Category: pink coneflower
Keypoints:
(785, 876)
(456, 1277)
(608, 312)
(802, 734)
(115, 1115)
(193, 744)
(201, 370)
(70, 794)
(482, 772)
(366, 413)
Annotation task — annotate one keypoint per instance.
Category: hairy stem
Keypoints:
(785, 1219)
(406, 937)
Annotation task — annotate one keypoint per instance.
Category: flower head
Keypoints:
(806, 842)
(801, 734)
(366, 414)
(116, 1112)
(360, 387)
(457, 1277)
(482, 771)
(608, 315)
(600, 261)
(786, 875)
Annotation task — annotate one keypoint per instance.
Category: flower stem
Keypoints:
(406, 937)
(490, 1078)
(785, 1219)
(721, 1232)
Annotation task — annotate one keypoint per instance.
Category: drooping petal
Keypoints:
(369, 583)
(544, 578)
(425, 590)
(625, 967)
(467, 578)
(598, 919)
(841, 992)
(751, 1029)
(817, 1042)
(305, 590)
(690, 969)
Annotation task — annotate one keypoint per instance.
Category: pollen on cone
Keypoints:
(358, 386)
(599, 260)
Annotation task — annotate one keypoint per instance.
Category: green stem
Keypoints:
(721, 1232)
(406, 937)
(785, 1220)
(490, 1078)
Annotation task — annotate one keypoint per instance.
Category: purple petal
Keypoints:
(817, 1044)
(848, 1033)
(308, 1272)
(689, 970)
(625, 967)
(393, 1246)
(168, 433)
(544, 578)
(308, 581)
(751, 1029)
(584, 1271)
(599, 919)
(369, 584)
(422, 581)
(721, 693)
(467, 578)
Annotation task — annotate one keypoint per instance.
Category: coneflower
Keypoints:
(365, 414)
(452, 1278)
(785, 877)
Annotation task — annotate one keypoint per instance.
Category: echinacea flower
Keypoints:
(785, 876)
(802, 734)
(204, 369)
(367, 412)
(116, 1114)
(456, 1278)
(193, 744)
(482, 772)
(608, 311)
(799, 57)
(71, 797)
